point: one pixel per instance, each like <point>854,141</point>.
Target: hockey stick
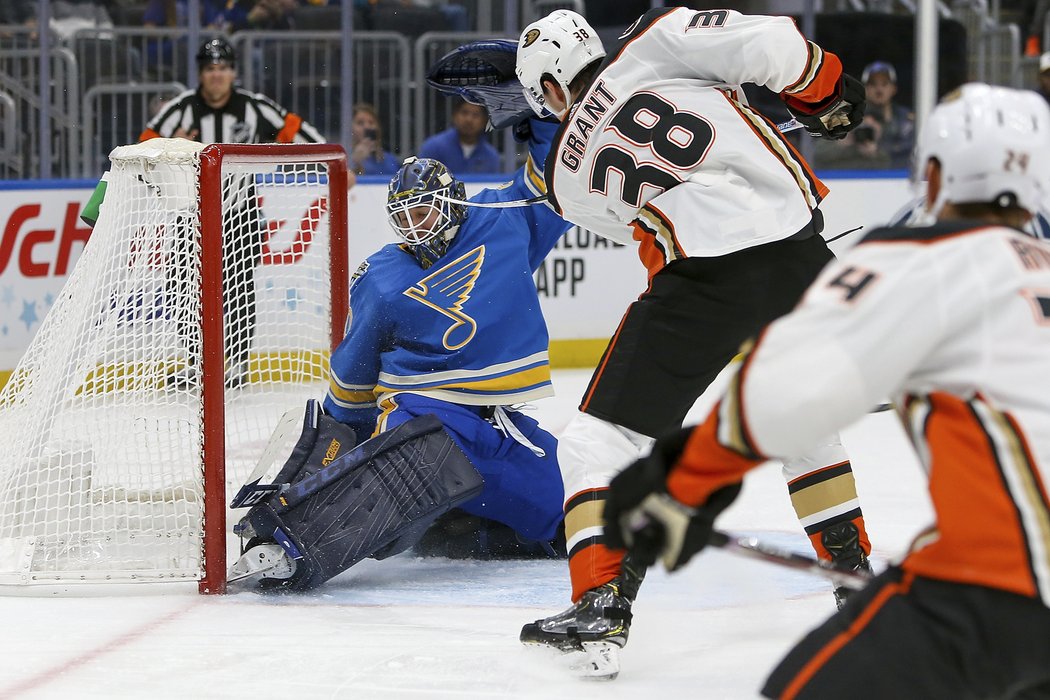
<point>751,547</point>
<point>251,492</point>
<point>844,233</point>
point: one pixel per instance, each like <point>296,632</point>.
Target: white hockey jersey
<point>953,321</point>
<point>662,146</point>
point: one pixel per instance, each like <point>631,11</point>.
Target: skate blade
<point>262,561</point>
<point>598,661</point>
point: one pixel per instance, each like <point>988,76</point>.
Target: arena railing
<point>9,158</point>
<point>114,115</point>
<point>20,80</point>
<point>302,71</point>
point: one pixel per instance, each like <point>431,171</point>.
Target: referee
<point>217,112</point>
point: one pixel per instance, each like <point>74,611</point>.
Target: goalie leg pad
<point>386,491</point>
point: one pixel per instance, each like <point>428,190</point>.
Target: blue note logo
<point>447,290</point>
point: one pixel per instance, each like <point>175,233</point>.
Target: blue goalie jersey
<point>467,330</point>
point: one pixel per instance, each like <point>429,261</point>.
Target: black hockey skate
<point>595,628</point>
<point>843,543</point>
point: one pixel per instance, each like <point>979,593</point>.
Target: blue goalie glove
<point>482,72</point>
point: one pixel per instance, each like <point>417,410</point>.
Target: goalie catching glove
<point>642,517</point>
<point>482,73</point>
<point>837,115</point>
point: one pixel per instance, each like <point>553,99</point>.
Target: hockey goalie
<point>445,329</point>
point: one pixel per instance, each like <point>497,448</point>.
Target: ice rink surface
<point>436,628</point>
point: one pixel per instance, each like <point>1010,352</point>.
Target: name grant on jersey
<point>1033,255</point>
<point>598,102</point>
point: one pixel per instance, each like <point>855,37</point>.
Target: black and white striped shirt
<point>247,117</point>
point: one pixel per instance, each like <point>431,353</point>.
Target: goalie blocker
<point>332,504</point>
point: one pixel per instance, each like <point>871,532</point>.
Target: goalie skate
<point>262,561</point>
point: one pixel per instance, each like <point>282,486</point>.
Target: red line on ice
<point>44,677</point>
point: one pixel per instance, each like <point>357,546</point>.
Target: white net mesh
<point>101,423</point>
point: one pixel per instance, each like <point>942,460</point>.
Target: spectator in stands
<point>886,136</point>
<point>1044,76</point>
<point>67,16</point>
<point>367,156</point>
<point>175,13</point>
<point>260,14</point>
<point>160,52</point>
<point>463,147</point>
<point>17,11</point>
<point>897,121</point>
<point>454,15</point>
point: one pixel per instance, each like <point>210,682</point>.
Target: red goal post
<point>213,158</point>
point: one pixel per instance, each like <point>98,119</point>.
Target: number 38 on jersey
<point>676,141</point>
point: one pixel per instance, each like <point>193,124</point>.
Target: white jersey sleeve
<point>728,48</point>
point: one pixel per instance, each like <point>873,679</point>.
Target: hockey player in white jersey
<point>658,147</point>
<point>953,321</point>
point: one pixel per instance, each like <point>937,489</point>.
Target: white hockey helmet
<point>561,44</point>
<point>992,144</point>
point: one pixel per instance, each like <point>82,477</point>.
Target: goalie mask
<point>560,45</point>
<point>991,143</point>
<point>419,210</point>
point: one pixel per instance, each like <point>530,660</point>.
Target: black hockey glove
<point>642,517</point>
<point>836,116</point>
<point>482,72</point>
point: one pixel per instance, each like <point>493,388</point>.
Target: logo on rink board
<point>561,276</point>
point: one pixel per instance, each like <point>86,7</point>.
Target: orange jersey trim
<point>791,160</point>
<point>649,253</point>
<point>824,84</point>
<point>705,465</point>
<point>993,516</point>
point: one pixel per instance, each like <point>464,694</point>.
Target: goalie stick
<point>284,434</point>
<point>783,127</point>
<point>751,547</point>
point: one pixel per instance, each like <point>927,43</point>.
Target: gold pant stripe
<point>825,495</point>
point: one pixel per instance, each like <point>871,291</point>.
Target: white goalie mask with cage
<point>421,207</point>
<point>992,145</point>
<point>560,45</point>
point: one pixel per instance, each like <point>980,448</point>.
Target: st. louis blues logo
<point>447,290</point>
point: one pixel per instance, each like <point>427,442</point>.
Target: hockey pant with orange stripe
<point>911,637</point>
<point>592,451</point>
<point>671,344</point>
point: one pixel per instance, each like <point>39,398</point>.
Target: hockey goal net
<point>203,308</point>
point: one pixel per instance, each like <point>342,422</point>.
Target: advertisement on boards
<point>584,285</point>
